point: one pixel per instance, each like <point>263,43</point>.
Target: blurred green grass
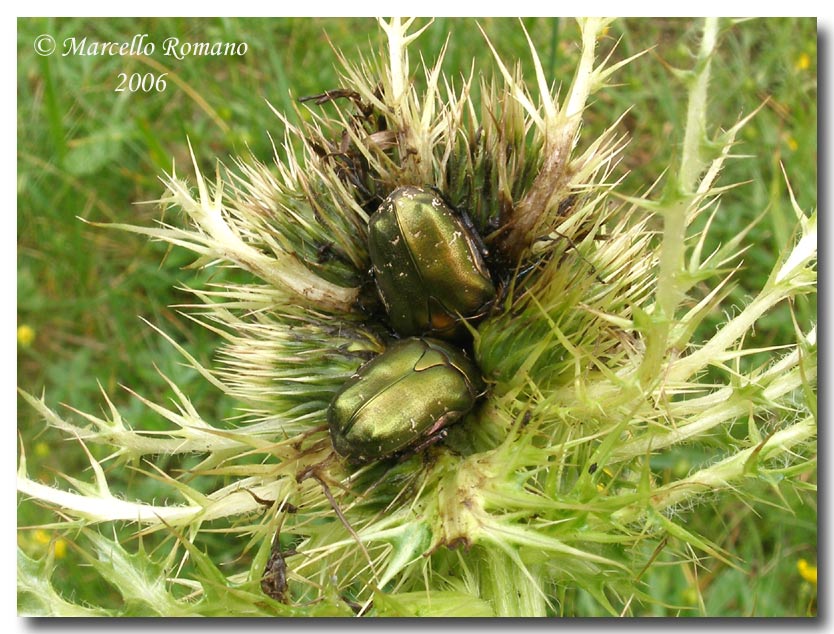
<point>87,152</point>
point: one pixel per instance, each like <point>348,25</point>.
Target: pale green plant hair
<point>594,359</point>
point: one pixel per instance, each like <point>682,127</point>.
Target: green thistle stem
<point>681,197</point>
<point>724,474</point>
<point>692,163</point>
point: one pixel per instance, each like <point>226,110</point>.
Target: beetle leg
<point>423,444</point>
<point>575,248</point>
<point>313,473</point>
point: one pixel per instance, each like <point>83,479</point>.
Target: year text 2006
<point>139,82</point>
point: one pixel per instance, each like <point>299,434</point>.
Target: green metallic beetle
<point>402,399</point>
<point>427,264</point>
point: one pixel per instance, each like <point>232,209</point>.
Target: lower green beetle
<point>428,264</point>
<point>403,397</point>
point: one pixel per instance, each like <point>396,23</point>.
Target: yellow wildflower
<point>803,62</point>
<point>792,144</point>
<point>41,536</point>
<point>25,335</point>
<point>60,546</point>
<point>690,596</point>
<point>807,571</point>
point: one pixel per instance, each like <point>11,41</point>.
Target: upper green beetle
<point>403,397</point>
<point>427,264</point>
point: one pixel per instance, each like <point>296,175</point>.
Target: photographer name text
<point>142,45</point>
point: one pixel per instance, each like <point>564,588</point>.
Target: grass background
<point>86,152</point>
